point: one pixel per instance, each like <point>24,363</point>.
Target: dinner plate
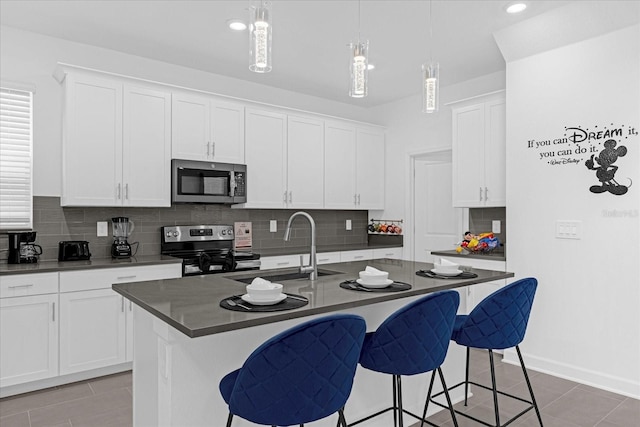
<point>446,273</point>
<point>250,300</point>
<point>374,285</point>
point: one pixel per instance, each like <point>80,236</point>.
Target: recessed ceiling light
<point>236,25</point>
<point>516,7</point>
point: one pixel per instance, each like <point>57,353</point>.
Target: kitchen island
<point>185,342</point>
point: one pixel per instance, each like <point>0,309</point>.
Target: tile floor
<point>106,402</point>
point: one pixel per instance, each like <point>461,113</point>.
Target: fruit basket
<point>481,243</point>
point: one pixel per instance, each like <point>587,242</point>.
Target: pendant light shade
<point>430,87</point>
<point>358,69</point>
<point>260,37</point>
<point>430,77</point>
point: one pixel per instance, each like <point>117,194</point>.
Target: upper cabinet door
<point>146,155</point>
<point>495,151</point>
<point>479,152</point>
<point>190,133</point>
<point>339,166</point>
<point>92,142</point>
<point>370,176</point>
<point>265,153</point>
<point>305,166</point>
<point>468,153</point>
<point>227,132</point>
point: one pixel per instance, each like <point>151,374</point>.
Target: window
<point>16,140</point>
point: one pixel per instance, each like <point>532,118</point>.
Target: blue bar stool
<point>412,340</point>
<point>300,375</point>
<point>498,322</point>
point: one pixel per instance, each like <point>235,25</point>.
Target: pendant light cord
<point>358,21</point>
<point>430,31</point>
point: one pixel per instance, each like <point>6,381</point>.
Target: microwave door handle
<point>232,183</point>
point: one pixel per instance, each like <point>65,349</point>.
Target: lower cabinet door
<point>92,330</point>
<point>28,339</point>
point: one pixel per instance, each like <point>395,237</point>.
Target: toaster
<point>73,250</point>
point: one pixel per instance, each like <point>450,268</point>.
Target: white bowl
<point>374,278</point>
<point>264,291</point>
<point>446,268</point>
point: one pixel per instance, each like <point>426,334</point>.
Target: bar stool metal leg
<point>494,389</point>
<point>526,377</point>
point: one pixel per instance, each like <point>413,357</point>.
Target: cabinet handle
<point>284,198</point>
<point>126,277</point>
<point>480,188</point>
<point>323,259</point>
<point>486,194</point>
<point>119,191</point>
<point>126,191</point>
<point>283,263</point>
<point>21,286</point>
<point>213,149</point>
<point>290,197</point>
<point>358,256</point>
<point>122,304</point>
<point>355,199</point>
<point>208,151</point>
<point>358,199</point>
<point>130,306</point>
<point>53,311</point>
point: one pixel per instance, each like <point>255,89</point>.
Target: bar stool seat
<point>300,375</point>
<point>412,340</point>
<point>498,322</point>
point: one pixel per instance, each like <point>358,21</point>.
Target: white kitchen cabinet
<point>28,328</point>
<point>358,255</point>
<point>281,261</point>
<point>392,253</point>
<point>479,145</point>
<point>354,167</point>
<point>116,143</point>
<point>265,154</point>
<point>95,321</point>
<point>92,330</point>
<point>207,129</point>
<point>305,164</point>
<point>325,258</point>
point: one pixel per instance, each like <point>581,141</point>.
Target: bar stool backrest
<point>302,374</point>
<point>500,320</point>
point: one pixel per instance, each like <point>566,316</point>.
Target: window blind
<point>16,137</point>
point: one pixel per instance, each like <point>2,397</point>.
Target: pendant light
<point>358,65</point>
<point>260,36</point>
<point>430,77</point>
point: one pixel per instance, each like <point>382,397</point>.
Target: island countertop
<point>192,304</point>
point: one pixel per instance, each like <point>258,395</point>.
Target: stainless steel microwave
<point>208,182</point>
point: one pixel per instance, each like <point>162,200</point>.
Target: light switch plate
<point>568,229</point>
<point>273,226</point>
<point>348,224</point>
<point>102,229</point>
<point>495,226</point>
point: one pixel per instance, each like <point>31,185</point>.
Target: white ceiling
<point>309,38</point>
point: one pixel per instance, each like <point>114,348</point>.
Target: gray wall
<point>53,224</point>
<point>480,221</point>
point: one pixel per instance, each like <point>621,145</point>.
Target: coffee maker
<point>22,250</point>
<point>122,229</point>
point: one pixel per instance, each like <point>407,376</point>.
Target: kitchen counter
<point>54,266</point>
<point>191,304</point>
<point>497,255</point>
<point>185,343</point>
<point>285,250</point>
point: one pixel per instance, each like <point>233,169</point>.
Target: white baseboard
<point>624,386</point>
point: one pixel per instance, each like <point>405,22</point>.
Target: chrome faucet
<point>312,268</point>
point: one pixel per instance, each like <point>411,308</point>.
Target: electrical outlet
<point>495,226</point>
<point>273,226</point>
<point>348,224</point>
<point>102,229</point>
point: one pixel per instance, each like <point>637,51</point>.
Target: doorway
<point>437,225</point>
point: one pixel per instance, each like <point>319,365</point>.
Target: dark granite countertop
<point>497,255</point>
<point>191,304</point>
<point>55,266</point>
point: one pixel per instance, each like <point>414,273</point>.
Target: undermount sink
<point>282,276</point>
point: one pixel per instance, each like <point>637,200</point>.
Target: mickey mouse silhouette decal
<point>606,171</point>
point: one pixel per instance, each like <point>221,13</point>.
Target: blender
<point>122,229</point>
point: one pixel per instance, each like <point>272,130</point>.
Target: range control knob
<point>175,234</point>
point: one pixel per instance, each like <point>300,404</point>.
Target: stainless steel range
<point>206,249</point>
